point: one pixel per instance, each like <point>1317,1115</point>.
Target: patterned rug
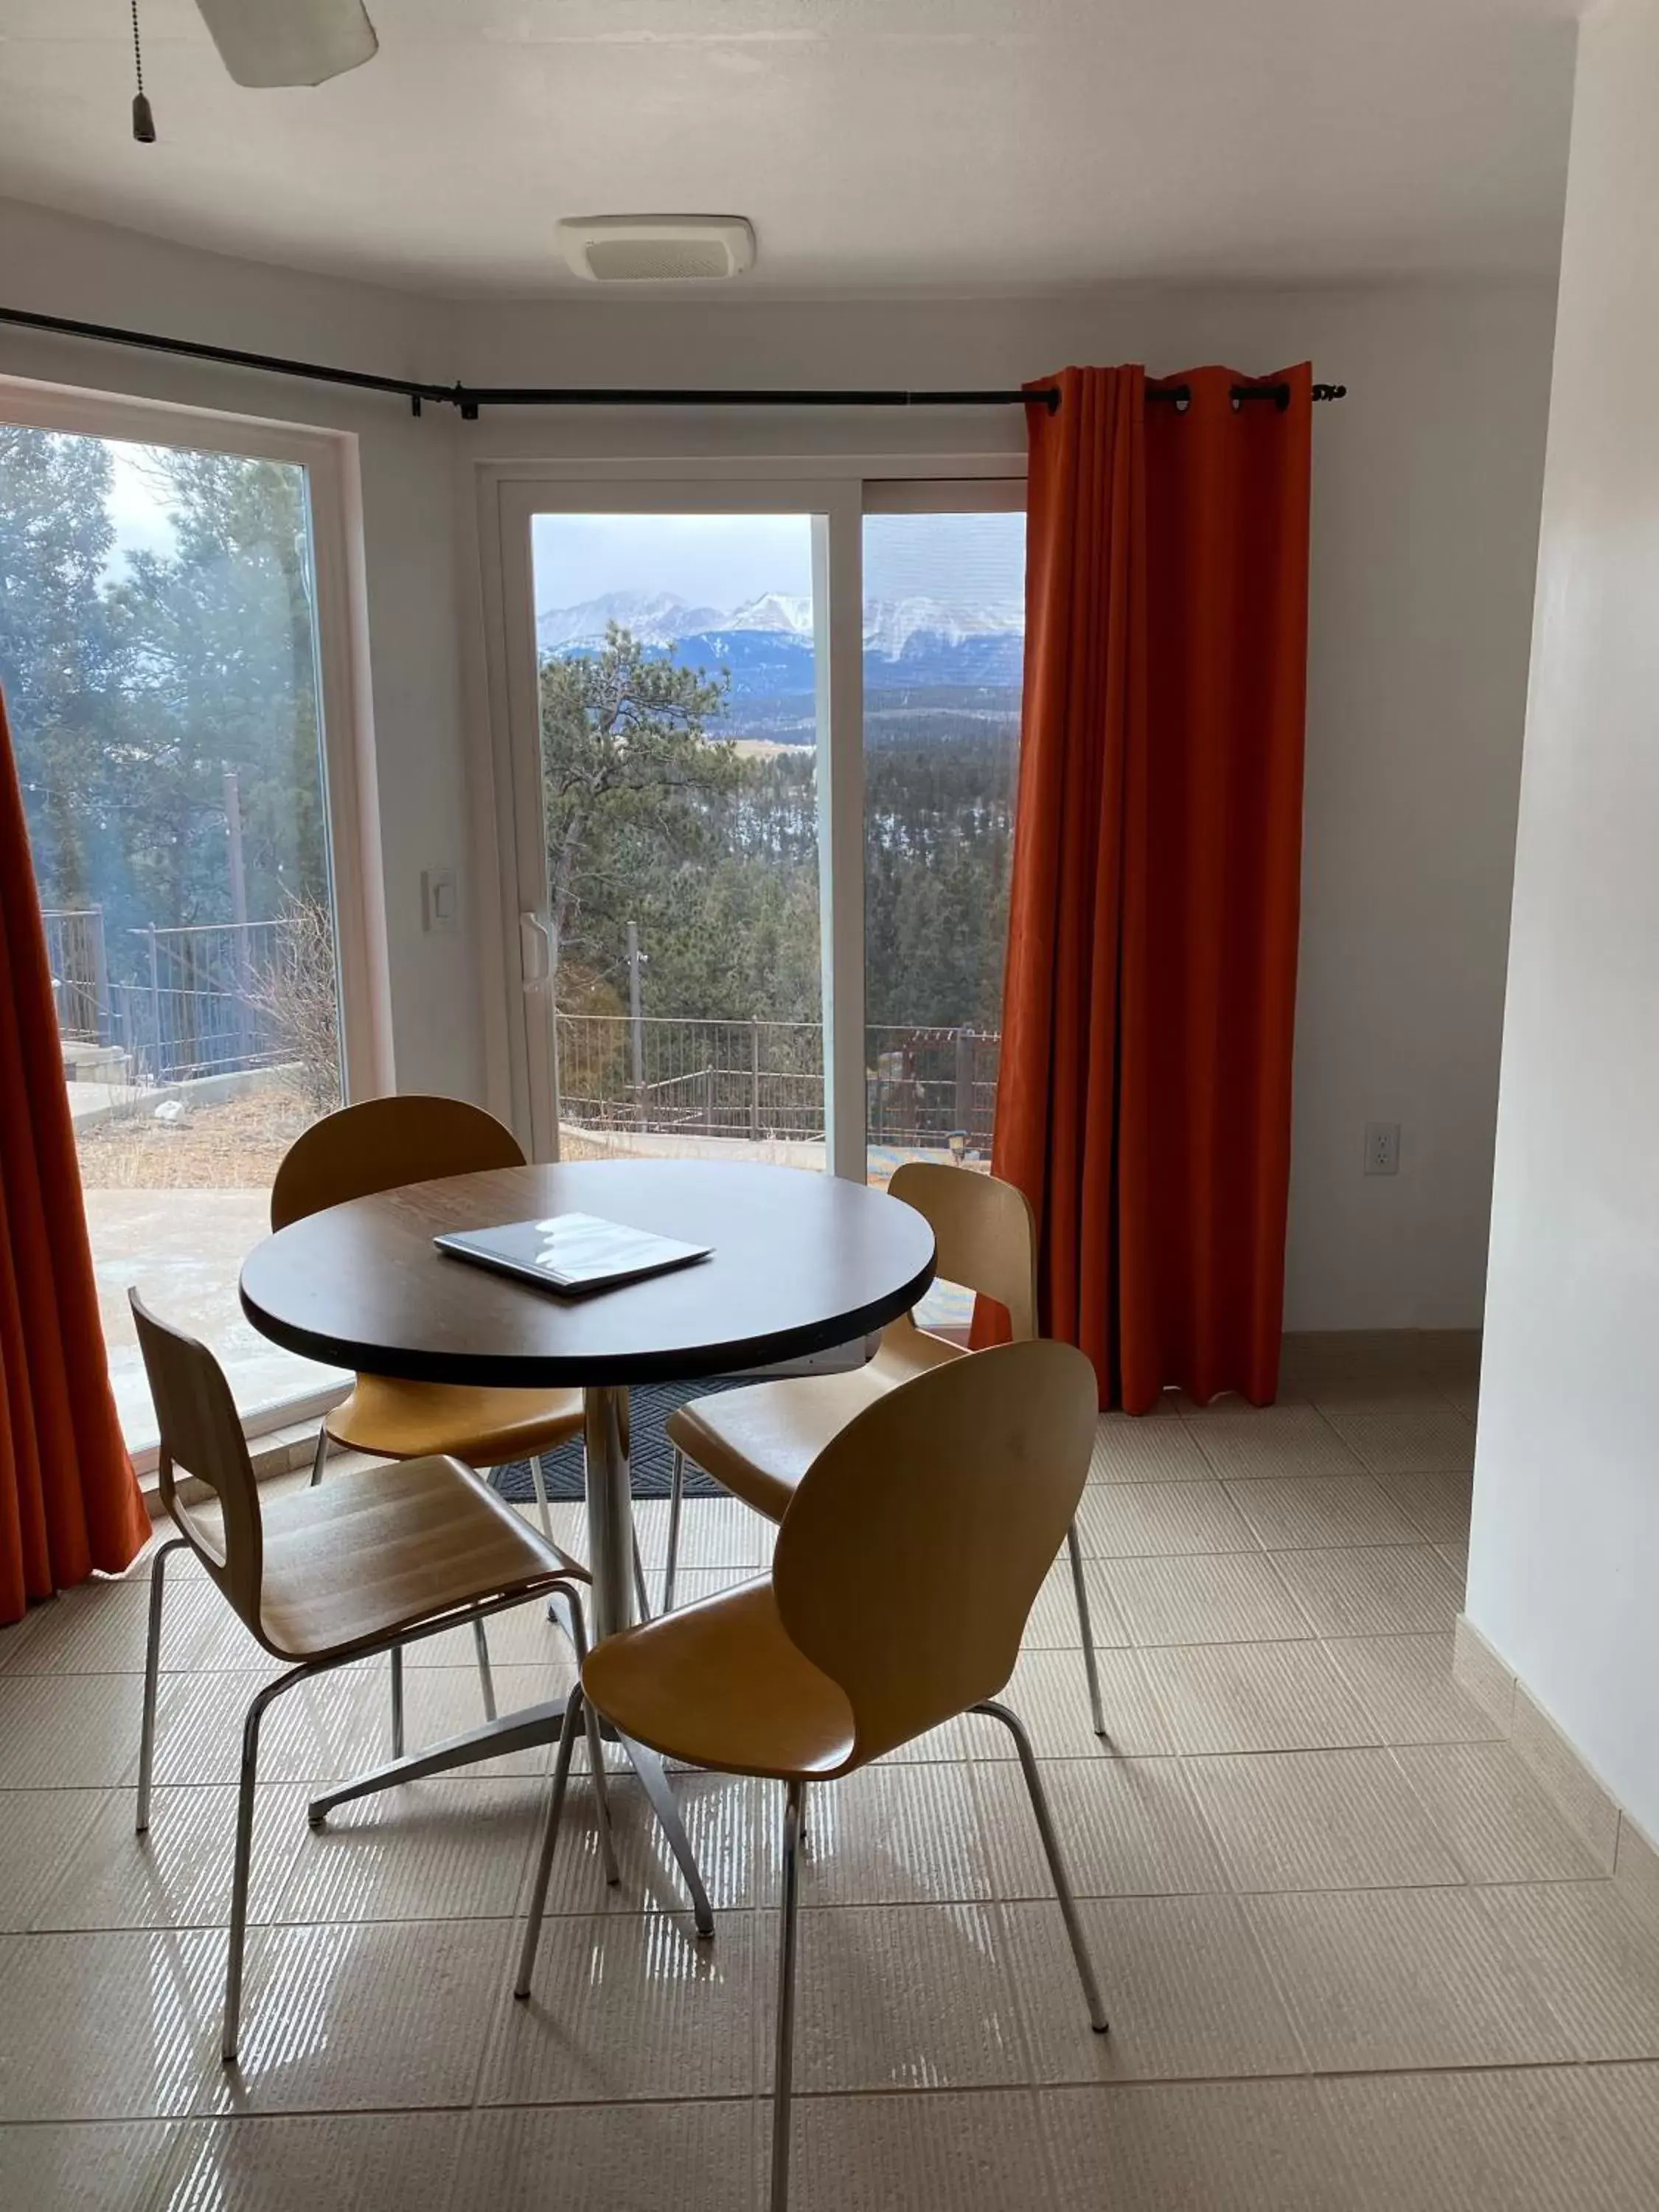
<point>651,1462</point>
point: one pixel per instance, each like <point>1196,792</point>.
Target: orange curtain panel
<point>1085,714</point>
<point>1145,1098</point>
<point>69,1501</point>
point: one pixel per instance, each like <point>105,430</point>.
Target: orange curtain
<point>69,1501</point>
<point>1144,1098</point>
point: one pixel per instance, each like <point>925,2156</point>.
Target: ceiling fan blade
<point>271,42</point>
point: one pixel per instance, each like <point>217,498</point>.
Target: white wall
<point>1564,1569</point>
<point>1425,489</point>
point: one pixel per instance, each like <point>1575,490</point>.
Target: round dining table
<point>798,1263</point>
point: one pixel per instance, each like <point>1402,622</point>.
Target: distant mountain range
<point>767,644</point>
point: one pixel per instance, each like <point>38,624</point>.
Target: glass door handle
<point>535,950</point>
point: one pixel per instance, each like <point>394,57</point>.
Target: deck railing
<point>80,985</point>
<point>200,1003</point>
<point>190,1001</point>
<point>928,1088</point>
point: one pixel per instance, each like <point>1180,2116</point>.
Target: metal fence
<point>74,954</point>
<point>933,1088</point>
<point>763,1080</point>
<point>203,1000</point>
<point>754,1079</point>
<point>199,1000</point>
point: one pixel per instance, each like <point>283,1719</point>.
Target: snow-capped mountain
<point>890,624</point>
<point>657,618</point>
<point>765,644</point>
<point>784,610</point>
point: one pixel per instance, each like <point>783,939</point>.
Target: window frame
<point>346,762</point>
<point>839,490</point>
<point>1004,494</point>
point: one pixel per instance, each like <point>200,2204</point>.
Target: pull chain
<point>143,122</point>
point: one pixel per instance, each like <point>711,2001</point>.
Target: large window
<point>944,638</point>
<point>756,786</point>
<point>158,653</point>
<point>677,680</point>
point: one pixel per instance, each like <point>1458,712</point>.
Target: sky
<point>722,560</point>
<point>135,507</point>
<point>710,560</point>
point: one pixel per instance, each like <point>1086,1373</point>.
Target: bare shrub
<point>298,996</point>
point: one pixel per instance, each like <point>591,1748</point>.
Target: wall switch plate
<point>1382,1148</point>
<point>439,903</point>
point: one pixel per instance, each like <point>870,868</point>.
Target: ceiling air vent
<point>659,249</point>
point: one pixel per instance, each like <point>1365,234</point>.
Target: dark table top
<point>801,1262</point>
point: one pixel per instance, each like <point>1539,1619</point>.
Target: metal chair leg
<point>1090,1663</point>
<point>577,1629</point>
<point>244,1802</point>
<point>397,1701</point>
<point>245,1808</point>
<point>320,1459</point>
<point>539,1478</point>
<point>486,1679</point>
<point>152,1679</point>
<point>533,1926</point>
<point>1068,1910</point>
<point>676,1498</point>
<point>784,2057</point>
<point>640,1599</point>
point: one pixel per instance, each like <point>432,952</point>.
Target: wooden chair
<point>758,1442</point>
<point>381,1145</point>
<point>908,1561</point>
<point>398,1553</point>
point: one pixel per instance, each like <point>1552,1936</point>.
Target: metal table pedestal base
<point>611,1533</point>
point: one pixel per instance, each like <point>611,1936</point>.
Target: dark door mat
<point>651,1459</point>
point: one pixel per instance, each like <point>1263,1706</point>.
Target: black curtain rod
<point>469,398</point>
<point>1181,395</point>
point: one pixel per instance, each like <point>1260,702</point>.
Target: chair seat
<point>486,1428</point>
<point>721,1685</point>
<point>759,1442</point>
<point>351,1561</point>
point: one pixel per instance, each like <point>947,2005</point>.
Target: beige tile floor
<point>1353,1956</point>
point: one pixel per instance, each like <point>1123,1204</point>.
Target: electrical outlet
<point>1382,1148</point>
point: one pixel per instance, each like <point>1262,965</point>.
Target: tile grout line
<point>896,2091</point>
<point>1465,1885</point>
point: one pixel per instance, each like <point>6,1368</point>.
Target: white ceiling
<point>953,145</point>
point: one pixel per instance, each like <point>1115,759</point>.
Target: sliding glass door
<point>762,756</point>
<point>679,792</point>
<point>671,779</point>
<point>159,651</point>
<point>943,639</point>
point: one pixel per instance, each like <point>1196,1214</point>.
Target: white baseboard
<point>1561,1770</point>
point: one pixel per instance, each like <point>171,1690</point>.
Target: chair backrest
<point>384,1143</point>
<point>202,1436</point>
<point>984,1234</point>
<point>913,1550</point>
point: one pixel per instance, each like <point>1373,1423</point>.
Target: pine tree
<point>61,659</point>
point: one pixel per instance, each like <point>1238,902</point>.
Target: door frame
<point>345,702</point>
<point>350,791</point>
<point>837,491</point>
